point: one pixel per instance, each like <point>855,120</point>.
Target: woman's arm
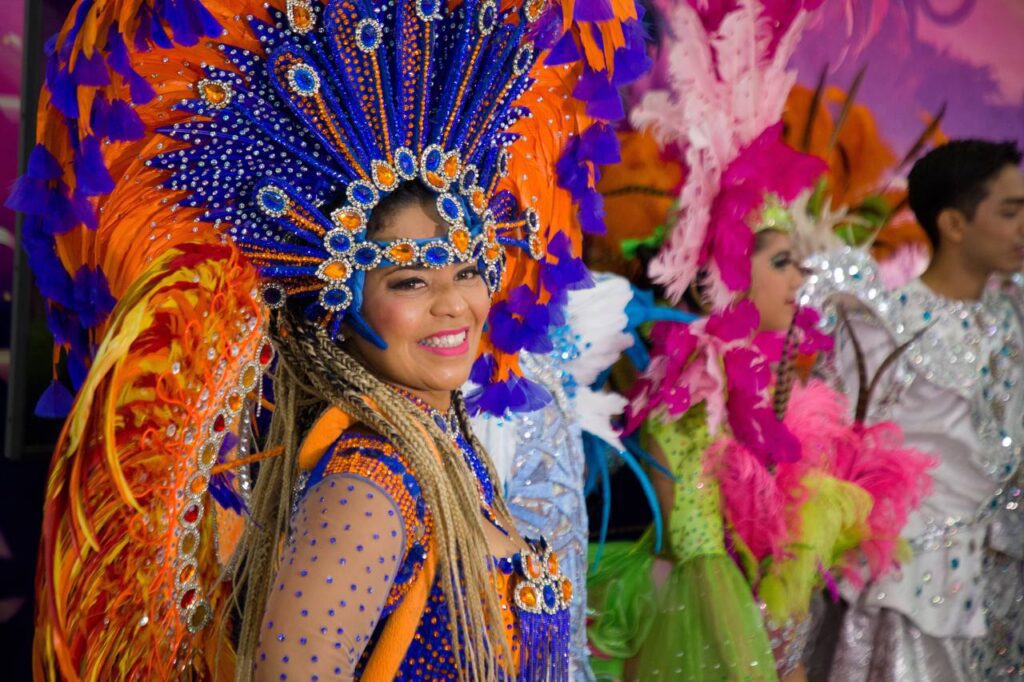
<point>333,583</point>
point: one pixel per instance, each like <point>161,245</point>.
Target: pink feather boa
<point>763,508</point>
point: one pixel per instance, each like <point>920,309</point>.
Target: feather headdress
<point>727,86</point>
<point>184,169</point>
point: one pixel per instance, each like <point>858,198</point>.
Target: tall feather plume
<point>726,87</point>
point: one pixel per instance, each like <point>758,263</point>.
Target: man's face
<point>994,238</point>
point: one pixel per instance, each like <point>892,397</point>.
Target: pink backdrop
<point>921,53</point>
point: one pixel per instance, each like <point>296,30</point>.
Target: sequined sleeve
<point>351,554</point>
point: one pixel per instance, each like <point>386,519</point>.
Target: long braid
<point>334,377</point>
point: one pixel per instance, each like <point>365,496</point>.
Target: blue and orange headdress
<point>202,161</point>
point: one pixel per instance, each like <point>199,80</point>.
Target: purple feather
<point>123,124</point>
<point>55,402</point>
<point>78,368</point>
<point>157,33</point>
<point>183,22</point>
<point>42,165</point>
<point>141,91</point>
<point>90,171</point>
<point>92,298</point>
<point>51,278</point>
<point>564,52</point>
<point>593,10</point>
<point>58,212</point>
<point>91,71</point>
<point>224,493</point>
<point>600,145</point>
<point>591,212</point>
<point>85,212</point>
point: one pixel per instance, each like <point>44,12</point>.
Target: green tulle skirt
<point>701,624</point>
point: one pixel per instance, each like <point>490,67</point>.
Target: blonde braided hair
<point>313,372</point>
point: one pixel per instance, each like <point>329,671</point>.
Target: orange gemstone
<point>491,233</point>
<point>532,567</point>
<point>302,18</point>
<point>460,238</point>
<point>349,219</point>
<point>478,200</point>
<point>207,455</point>
<point>336,270</point>
<point>566,590</point>
<point>186,574</point>
<point>552,563</point>
<point>401,253</point>
<point>384,176</point>
<point>493,252</point>
<point>214,92</point>
<point>451,167</point>
<point>435,180</point>
<point>249,376</point>
<point>528,596</point>
<point>198,485</point>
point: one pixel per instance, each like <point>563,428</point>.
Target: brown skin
<point>971,250</point>
<point>775,278</point>
<point>405,306</point>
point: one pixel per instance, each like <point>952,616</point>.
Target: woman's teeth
<point>446,341</point>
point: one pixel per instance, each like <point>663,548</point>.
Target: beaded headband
<point>294,149</point>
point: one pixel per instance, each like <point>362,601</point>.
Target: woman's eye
<point>782,262</point>
<point>408,284</point>
<point>468,273</point>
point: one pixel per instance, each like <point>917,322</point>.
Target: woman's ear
<point>952,224</point>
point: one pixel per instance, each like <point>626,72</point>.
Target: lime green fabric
<point>701,622</point>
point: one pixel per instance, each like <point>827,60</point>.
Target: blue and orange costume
<point>201,163</point>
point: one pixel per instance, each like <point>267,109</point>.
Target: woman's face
<point>775,278</point>
<point>431,320</point>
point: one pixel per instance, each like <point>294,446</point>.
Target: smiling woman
<point>430,319</point>
<point>342,185</point>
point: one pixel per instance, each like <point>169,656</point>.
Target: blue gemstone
<point>436,255</point>
<point>428,7</point>
<point>305,80</point>
<point>493,278</point>
<point>489,15</point>
<point>369,36</point>
<point>273,201</point>
<point>549,596</point>
<point>524,58</point>
<point>469,178</point>
<point>433,160</point>
<point>362,194</point>
<point>955,563</point>
<point>340,242</point>
<point>406,163</point>
<point>336,297</point>
<point>450,208</point>
<point>366,255</point>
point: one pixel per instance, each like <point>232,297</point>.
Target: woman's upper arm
<point>333,583</point>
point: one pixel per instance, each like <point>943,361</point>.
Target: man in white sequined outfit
<point>943,357</point>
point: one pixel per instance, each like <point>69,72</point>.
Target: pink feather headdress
<point>727,85</point>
